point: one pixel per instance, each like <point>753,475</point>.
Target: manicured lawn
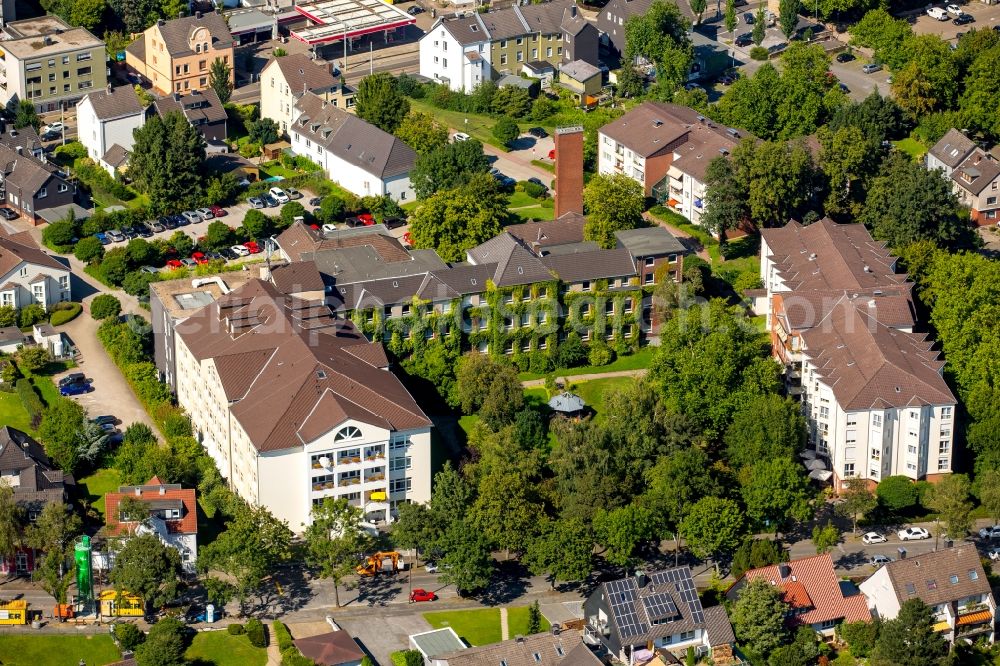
<point>98,484</point>
<point>478,126</point>
<point>221,649</point>
<point>593,391</point>
<point>277,169</point>
<point>521,199</point>
<point>468,423</point>
<point>535,213</point>
<point>12,412</point>
<point>548,166</point>
<point>640,359</point>
<point>61,650</point>
<point>517,621</point>
<point>475,627</point>
<point>911,147</point>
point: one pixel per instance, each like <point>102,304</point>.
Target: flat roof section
<point>355,17</point>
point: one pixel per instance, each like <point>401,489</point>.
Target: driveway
<point>517,163</point>
<point>380,637</point>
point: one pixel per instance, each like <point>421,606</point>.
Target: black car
<point>144,230</point>
<point>964,19</point>
<point>269,201</point>
<point>51,135</point>
<point>353,222</point>
<point>538,181</point>
<point>748,17</point>
<point>72,378</point>
<point>315,201</point>
<point>746,39</point>
<point>106,419</point>
<point>538,132</point>
<point>214,256</point>
<point>181,221</point>
<point>845,57</point>
<point>7,213</point>
<point>168,222</point>
<point>729,78</point>
<point>394,222</point>
<point>228,254</point>
<point>414,10</point>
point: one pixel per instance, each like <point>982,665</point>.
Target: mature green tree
<point>621,531</point>
<point>713,526</point>
<point>219,235</point>
<point>53,533</point>
<point>806,93</point>
<point>259,225</point>
<point>613,203</point>
<point>146,567</point>
<point>492,389</point>
<point>165,645</point>
<point>631,83</point>
<point>676,482</point>
<point>858,499</point>
<point>220,79</point>
<point>506,131</point>
<point>861,636</point>
<point>660,35</point>
<point>136,15</point>
<point>846,158</point>
<point>584,467</point>
<point>467,561</point>
<point>888,36</point>
<point>879,118</point>
<point>105,306</point>
<point>511,101</point>
<point>334,539</point>
<point>447,167</point>
<point>910,638</point>
<point>752,102</point>
<point>481,97</point>
<point>731,20</point>
<point>803,650</point>
<point>758,617</point>
<point>950,498</point>
<point>988,492</point>
<point>754,554</point>
<point>60,233</point>
<point>980,90</point>
<point>60,432</point>
<point>421,132</point>
<point>776,490</point>
<point>87,13</point>
<point>725,197</point>
<point>416,528</point>
<point>166,162</point>
<point>11,522</point>
<point>263,131</point>
<point>930,80</point>
<point>698,7</point>
<point>140,252</point>
<point>88,249</point>
<point>788,17</point>
<point>26,115</point>
<point>379,102</point>
<point>825,537</point>
<point>779,178</point>
<point>759,30</point>
<point>563,551</point>
<point>506,510</point>
<point>33,359</point>
<point>907,203</point>
<point>897,493</point>
<point>769,426</point>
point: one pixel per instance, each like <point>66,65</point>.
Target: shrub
<point>59,234</point>
<point>505,130</point>
<point>129,636</point>
<point>290,655</point>
<point>63,315</point>
<point>897,493</point>
<point>571,352</point>
<point>105,306</point>
<point>30,401</point>
<point>31,315</point>
<point>256,633</point>
<point>758,53</point>
<point>100,182</point>
<point>74,150</point>
<point>236,629</point>
<point>600,354</point>
<point>533,190</point>
<point>88,249</point>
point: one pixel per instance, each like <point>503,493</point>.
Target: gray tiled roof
<point>117,103</point>
<point>467,30</point>
<point>921,571</point>
<point>579,70</point>
<point>25,171</point>
<point>592,265</point>
<point>25,138</point>
<point>198,106</point>
<point>116,156</point>
<point>952,148</point>
<point>39,481</point>
<point>545,18</point>
<point>515,264</point>
<point>352,139</point>
<point>649,241</point>
<point>302,73</point>
<point>504,23</point>
<point>976,171</point>
<point>545,649</point>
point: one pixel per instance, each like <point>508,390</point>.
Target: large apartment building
<point>666,148</point>
<point>176,56</point>
<point>465,49</point>
<point>50,63</point>
<point>974,175</point>
<point>295,406</point>
<point>841,322</point>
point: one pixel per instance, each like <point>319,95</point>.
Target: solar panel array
<point>659,606</point>
<point>621,596</point>
<point>683,583</point>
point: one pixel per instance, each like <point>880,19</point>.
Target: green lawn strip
<point>467,423</point>
<point>640,359</point>
<point>221,649</point>
<point>534,213</point>
<point>521,199</point>
<point>98,484</point>
<point>475,627</point>
<point>277,169</point>
<point>593,391</point>
<point>478,126</point>
<point>517,621</point>
<point>911,147</point>
<point>12,413</point>
<point>542,164</point>
<point>60,650</point>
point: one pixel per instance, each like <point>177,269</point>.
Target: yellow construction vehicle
<point>381,562</point>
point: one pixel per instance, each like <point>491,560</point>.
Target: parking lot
<point>986,16</point>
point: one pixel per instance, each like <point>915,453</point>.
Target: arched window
<point>348,432</point>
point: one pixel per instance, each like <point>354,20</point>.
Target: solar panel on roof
<point>681,577</point>
<point>659,607</point>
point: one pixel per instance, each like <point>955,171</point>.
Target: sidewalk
<point>534,383</point>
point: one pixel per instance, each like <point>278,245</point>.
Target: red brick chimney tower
<point>569,170</point>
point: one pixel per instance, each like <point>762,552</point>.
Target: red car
<point>367,219</point>
<point>420,594</point>
<point>174,263</point>
<point>253,247</point>
<point>218,211</point>
<point>406,238</point>
<point>199,257</point>
<point>552,154</point>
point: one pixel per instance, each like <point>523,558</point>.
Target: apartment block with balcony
<point>50,63</point>
<point>176,56</point>
<point>666,148</point>
<point>295,406</point>
<point>951,581</point>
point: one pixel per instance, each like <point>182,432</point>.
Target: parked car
<point>748,17</point>
<point>256,202</point>
<point>460,136</point>
<point>240,250</point>
<point>740,3</point>
<point>199,257</point>
<point>102,237</point>
<point>873,537</point>
<point>538,132</point>
<point>72,378</point>
<point>353,222</point>
<point>218,211</point>
<point>746,39</point>
<point>991,532</point>
<point>54,127</point>
<point>174,263</point>
<point>880,560</point>
<point>7,213</point>
<point>421,594</point>
<point>994,553</point>
<point>729,78</point>
<point>316,201</point>
<point>394,222</point>
<point>937,13</point>
<point>843,88</point>
<point>206,213</point>
<point>191,216</point>
<point>913,534</point>
<point>954,10</point>
<point>215,256</point>
<point>538,181</point>
<point>293,193</point>
<point>228,254</point>
<point>252,247</point>
<point>279,195</point>
<point>144,230</point>
<point>152,270</point>
<point>115,235</point>
<point>168,222</point>
<point>156,226</point>
<point>188,262</point>
<point>270,201</point>
<point>431,567</point>
<point>845,57</point>
<point>107,418</point>
<point>328,228</point>
<point>414,10</point>
<point>78,388</point>
<point>871,68</point>
<point>964,19</point>
<point>552,154</point>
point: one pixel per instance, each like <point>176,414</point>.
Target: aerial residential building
<point>552,648</point>
<point>176,56</point>
<point>51,63</point>
<point>295,406</point>
<point>25,138</point>
<point>612,17</point>
<point>973,172</point>
<point>30,185</point>
<point>813,591</point>
<point>841,322</point>
<point>362,158</point>
<point>29,275</point>
<point>666,148</point>
<point>171,514</point>
<point>465,50</point>
<point>202,109</point>
<point>637,617</point>
<point>107,118</point>
<point>285,79</point>
<point>951,581</point>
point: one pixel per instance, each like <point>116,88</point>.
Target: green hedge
<point>236,629</point>
<point>256,633</point>
<point>64,314</point>
<point>100,182</point>
<point>290,655</point>
<point>29,398</point>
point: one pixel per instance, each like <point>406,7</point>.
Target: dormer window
<point>346,433</point>
<point>197,48</point>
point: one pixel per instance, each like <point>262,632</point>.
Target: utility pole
<point>371,56</point>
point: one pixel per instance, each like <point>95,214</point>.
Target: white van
<point>937,13</point>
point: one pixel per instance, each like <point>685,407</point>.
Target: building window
<point>548,52</point>
<point>876,420</point>
<point>346,433</point>
<point>945,413</point>
<point>43,192</point>
<point>824,412</point>
<point>911,449</point>
<point>585,285</point>
<point>503,43</point>
<point>876,454</point>
<point>944,446</point>
<point>400,485</point>
<point>503,58</point>
<point>80,57</point>
<point>848,469</point>
<point>399,464</point>
<point>520,56</point>
<point>942,464</point>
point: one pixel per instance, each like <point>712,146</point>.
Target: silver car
<point>191,216</point>
<point>256,202</point>
<point>206,213</point>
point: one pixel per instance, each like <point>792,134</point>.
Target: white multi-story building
<point>841,320</point>
<point>362,158</point>
<point>456,51</point>
<point>296,406</point>
<point>284,80</point>
<point>107,118</point>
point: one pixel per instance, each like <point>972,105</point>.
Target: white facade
<point>29,283</point>
<point>355,460</point>
<point>99,135</point>
<point>277,99</point>
<point>444,58</point>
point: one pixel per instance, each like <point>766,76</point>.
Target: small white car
<point>994,553</point>
<point>873,537</point>
<point>279,195</point>
<point>937,13</point>
<point>879,560</point>
<point>990,532</point>
<point>53,127</point>
<point>431,567</point>
<point>913,534</point>
<point>241,250</point>
<point>327,228</point>
<point>206,213</point>
<point>460,136</point>
<point>954,10</point>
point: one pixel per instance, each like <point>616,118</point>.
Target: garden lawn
<point>98,484</point>
<point>12,413</point>
<point>517,621</point>
<point>911,147</point>
<point>478,126</point>
<point>593,391</point>
<point>221,649</point>
<point>475,627</point>
<point>531,213</point>
<point>640,359</point>
<point>60,650</point>
<point>277,169</point>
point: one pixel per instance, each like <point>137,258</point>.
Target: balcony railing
<point>353,481</point>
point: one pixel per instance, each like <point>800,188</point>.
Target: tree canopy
<point>612,203</point>
<point>379,102</point>
<point>453,221</point>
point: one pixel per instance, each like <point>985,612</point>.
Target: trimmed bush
<point>236,629</point>
<point>63,315</point>
<point>100,182</point>
<point>129,636</point>
<point>256,633</point>
<point>30,400</point>
<point>105,306</point>
<point>31,315</point>
<point>533,190</point>
<point>758,53</point>
<point>290,655</point>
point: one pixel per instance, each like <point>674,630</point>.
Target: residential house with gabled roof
<point>171,514</point>
<point>974,174</point>
<point>360,157</point>
<point>36,482</point>
<point>951,581</point>
<point>295,405</point>
<point>176,56</point>
<point>108,118</point>
<point>26,138</point>
<point>552,648</point>
<point>29,275</point>
<point>636,618</point>
<point>201,108</point>
<point>815,595</point>
<point>29,184</point>
<point>285,79</point>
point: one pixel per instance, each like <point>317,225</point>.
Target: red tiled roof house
<point>173,516</point>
